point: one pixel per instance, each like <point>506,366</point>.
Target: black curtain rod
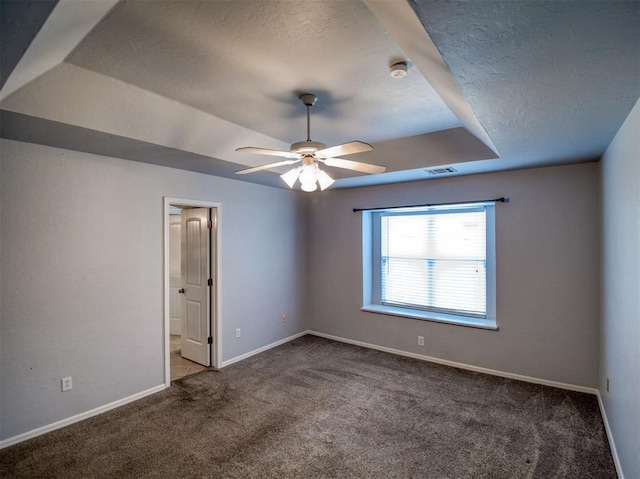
<point>494,200</point>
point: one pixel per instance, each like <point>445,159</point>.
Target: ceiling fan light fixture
<point>291,176</point>
<point>324,179</point>
<point>308,178</point>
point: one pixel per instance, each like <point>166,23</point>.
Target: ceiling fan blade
<point>267,151</point>
<point>266,167</point>
<point>354,165</point>
<point>345,149</point>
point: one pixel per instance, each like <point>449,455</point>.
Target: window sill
<point>431,316</point>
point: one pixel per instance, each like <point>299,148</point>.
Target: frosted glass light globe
<point>308,178</point>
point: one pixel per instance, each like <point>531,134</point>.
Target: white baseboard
<point>493,372</point>
<point>612,444</point>
<point>107,407</point>
<point>121,402</point>
<point>77,418</point>
<point>262,349</point>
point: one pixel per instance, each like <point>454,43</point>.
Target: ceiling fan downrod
<point>309,99</point>
<point>308,147</point>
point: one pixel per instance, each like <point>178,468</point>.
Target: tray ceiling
<point>491,85</point>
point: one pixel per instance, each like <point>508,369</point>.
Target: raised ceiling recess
<point>482,86</point>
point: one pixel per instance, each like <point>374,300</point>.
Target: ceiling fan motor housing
<point>308,99</point>
<point>307,147</point>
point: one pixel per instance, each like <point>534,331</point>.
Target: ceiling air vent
<point>441,171</point>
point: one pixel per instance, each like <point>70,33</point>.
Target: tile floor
<point>181,367</point>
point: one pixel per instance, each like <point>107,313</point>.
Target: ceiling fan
<point>310,153</point>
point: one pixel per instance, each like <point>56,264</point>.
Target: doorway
<point>191,289</point>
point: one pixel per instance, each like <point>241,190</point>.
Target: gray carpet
<point>314,408</point>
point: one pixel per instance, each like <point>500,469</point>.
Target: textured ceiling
<point>493,85</point>
<point>245,61</point>
<point>548,80</point>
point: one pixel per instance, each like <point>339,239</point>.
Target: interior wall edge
<point>610,438</point>
<point>619,357</point>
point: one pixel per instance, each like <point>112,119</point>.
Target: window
<point>435,263</point>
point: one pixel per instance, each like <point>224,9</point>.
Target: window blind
<point>435,260</point>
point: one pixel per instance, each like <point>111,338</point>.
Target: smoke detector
<point>398,70</point>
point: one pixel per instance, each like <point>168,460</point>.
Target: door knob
<point>181,291</point>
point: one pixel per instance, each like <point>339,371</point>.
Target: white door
<point>196,273</point>
<point>175,275</point>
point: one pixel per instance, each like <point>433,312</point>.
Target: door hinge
<point>210,224</point>
<point>210,282</point>
<point>210,340</point>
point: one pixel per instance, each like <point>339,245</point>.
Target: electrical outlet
<point>607,384</point>
<point>238,333</point>
<point>420,340</point>
<point>283,318</point>
<point>66,384</point>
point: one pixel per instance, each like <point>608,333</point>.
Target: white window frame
<point>371,264</point>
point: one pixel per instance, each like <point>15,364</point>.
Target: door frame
<point>215,307</point>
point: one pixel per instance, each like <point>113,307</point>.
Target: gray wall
<point>620,337</point>
<point>82,276</point>
<point>547,273</point>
